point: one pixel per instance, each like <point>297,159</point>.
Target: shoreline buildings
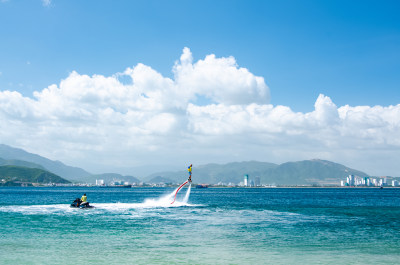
<point>246,180</point>
<point>356,181</point>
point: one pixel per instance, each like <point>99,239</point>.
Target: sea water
<point>204,226</point>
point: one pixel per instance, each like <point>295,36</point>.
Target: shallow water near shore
<point>211,226</point>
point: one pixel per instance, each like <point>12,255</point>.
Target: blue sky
<point>348,50</point>
<point>117,85</point>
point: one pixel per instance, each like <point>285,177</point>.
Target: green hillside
<point>15,175</point>
<point>214,173</point>
<point>159,179</point>
<point>109,177</point>
<point>20,163</point>
<point>68,172</point>
<point>306,172</point>
<point>309,172</point>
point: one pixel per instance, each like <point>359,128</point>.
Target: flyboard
<point>183,184</point>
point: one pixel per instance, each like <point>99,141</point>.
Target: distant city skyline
<point>110,86</point>
<point>357,181</point>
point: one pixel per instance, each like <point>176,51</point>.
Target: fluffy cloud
<point>327,125</point>
<point>219,79</point>
<point>97,122</point>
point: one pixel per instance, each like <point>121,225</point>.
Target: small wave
<point>162,202</point>
<point>37,209</point>
<point>112,207</point>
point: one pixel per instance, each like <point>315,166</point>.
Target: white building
<point>374,182</point>
<point>351,180</point>
<point>384,181</point>
<point>99,182</point>
<point>381,182</point>
<point>368,182</point>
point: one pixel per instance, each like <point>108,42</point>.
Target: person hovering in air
<point>190,173</point>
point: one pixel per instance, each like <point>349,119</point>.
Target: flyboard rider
<point>189,180</point>
<point>190,173</point>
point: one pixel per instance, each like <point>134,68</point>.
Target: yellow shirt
<point>84,198</point>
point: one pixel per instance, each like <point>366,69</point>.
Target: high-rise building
<point>246,180</point>
<point>384,182</point>
<point>99,182</point>
<point>373,181</point>
<point>252,183</point>
<point>367,182</point>
<point>257,181</point>
<point>351,180</point>
<point>381,182</point>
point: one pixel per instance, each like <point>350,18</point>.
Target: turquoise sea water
<point>212,226</point>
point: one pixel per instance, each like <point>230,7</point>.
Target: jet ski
<point>79,204</point>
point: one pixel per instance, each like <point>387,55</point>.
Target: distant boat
<point>202,186</point>
<point>117,186</point>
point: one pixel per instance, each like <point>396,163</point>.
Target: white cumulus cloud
<point>219,79</point>
<point>98,122</point>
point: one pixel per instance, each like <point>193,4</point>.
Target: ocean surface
<point>203,226</point>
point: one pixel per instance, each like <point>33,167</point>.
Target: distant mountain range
<point>18,157</point>
<point>71,173</point>
<point>21,163</point>
<point>306,172</point>
<point>109,177</point>
<point>16,175</point>
<point>159,179</point>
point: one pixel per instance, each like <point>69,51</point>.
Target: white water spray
<point>163,201</point>
<point>185,200</point>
